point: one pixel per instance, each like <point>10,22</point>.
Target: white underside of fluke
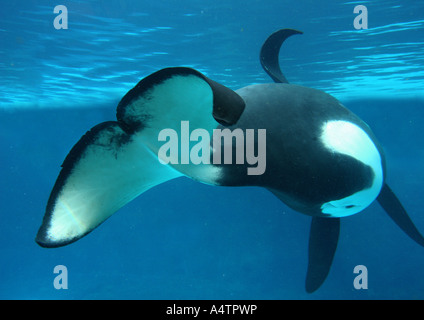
<point>101,183</point>
<point>115,166</point>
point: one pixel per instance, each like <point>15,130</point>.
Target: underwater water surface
<point>183,239</point>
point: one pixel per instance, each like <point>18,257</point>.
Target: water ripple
<point>108,49</point>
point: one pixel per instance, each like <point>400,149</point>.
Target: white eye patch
<point>347,138</point>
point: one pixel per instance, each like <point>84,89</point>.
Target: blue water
<point>182,239</point>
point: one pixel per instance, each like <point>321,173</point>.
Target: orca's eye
<point>350,206</point>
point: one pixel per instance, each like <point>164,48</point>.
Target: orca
<point>321,159</point>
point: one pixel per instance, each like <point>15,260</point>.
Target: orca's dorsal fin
<point>397,212</point>
<point>270,51</point>
<point>323,239</point>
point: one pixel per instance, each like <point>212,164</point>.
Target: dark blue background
<point>184,239</point>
